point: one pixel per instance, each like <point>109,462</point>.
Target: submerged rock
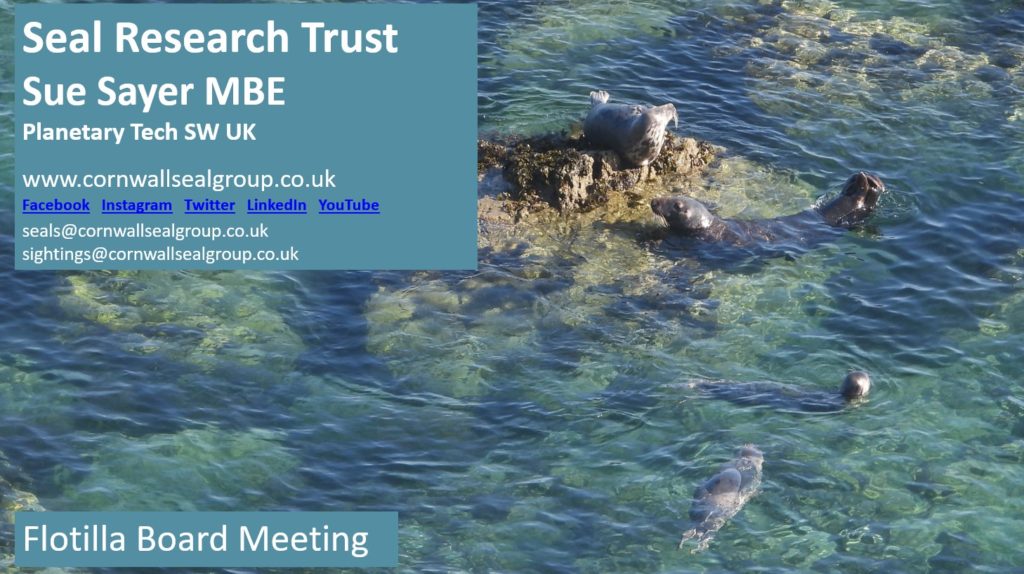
<point>11,500</point>
<point>196,469</point>
<point>220,320</point>
<point>564,172</point>
<point>32,397</point>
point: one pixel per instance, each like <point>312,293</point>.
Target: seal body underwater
<point>636,133</point>
<point>686,216</point>
<point>723,495</point>
<point>854,387</point>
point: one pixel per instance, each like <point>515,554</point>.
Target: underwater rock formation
<point>195,469</point>
<point>11,500</point>
<point>217,321</point>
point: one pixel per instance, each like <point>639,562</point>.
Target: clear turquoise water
<point>531,416</point>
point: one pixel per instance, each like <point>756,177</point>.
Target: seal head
<point>683,214</point>
<point>857,201</point>
<point>857,384</point>
<point>751,453</point>
<point>749,460</point>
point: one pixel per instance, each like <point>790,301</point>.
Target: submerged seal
<point>854,387</point>
<point>686,216</point>
<point>636,133</point>
<point>723,495</point>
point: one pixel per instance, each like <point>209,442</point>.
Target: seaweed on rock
<point>565,172</point>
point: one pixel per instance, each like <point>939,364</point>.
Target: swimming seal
<point>854,387</point>
<point>636,133</point>
<point>686,216</point>
<point>723,495</point>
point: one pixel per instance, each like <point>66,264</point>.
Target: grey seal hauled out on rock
<point>686,216</point>
<point>636,133</point>
<point>854,387</point>
<point>723,495</point>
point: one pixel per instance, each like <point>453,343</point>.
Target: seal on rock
<point>686,216</point>
<point>723,495</point>
<point>854,387</point>
<point>636,133</point>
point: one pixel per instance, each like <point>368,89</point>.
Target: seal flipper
<point>686,536</point>
<point>703,538</point>
<point>598,97</point>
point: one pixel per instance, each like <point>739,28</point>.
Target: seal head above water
<point>857,384</point>
<point>857,201</point>
<point>720,497</point>
<point>636,133</point>
<point>686,216</point>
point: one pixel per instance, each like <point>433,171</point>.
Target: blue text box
<point>206,539</point>
<point>383,144</point>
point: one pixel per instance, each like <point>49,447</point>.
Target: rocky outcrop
<point>563,172</point>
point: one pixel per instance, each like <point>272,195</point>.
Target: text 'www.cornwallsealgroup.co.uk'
<point>100,195</point>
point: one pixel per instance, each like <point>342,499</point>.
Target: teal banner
<point>245,137</point>
<point>206,539</point>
